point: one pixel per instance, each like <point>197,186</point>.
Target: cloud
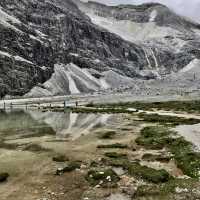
<point>189,8</point>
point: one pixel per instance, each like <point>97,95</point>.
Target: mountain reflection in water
<point>21,124</point>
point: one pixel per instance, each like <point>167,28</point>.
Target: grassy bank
<point>159,137</point>
<point>184,106</point>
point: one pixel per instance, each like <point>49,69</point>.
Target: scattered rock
<point>3,177</point>
<point>102,178</point>
<point>71,166</point>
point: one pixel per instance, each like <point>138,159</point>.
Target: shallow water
<point>191,133</point>
<point>27,124</point>
<point>118,197</point>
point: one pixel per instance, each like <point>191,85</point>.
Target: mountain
<point>56,47</point>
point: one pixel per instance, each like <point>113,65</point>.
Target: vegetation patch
<point>159,158</point>
<point>184,106</point>
<point>159,137</point>
<point>60,158</point>
<point>99,110</point>
<point>122,162</point>
<point>147,173</point>
<point>154,137</point>
<point>106,134</point>
<point>113,146</point>
<point>115,155</point>
<point>8,146</point>
<point>164,119</point>
<point>168,190</point>
<point>71,166</point>
<point>35,148</point>
<point>105,178</point>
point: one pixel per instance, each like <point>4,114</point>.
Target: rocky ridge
<point>56,47</point>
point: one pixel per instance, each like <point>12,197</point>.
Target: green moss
<point>8,146</point>
<point>105,178</point>
<point>113,146</point>
<point>184,106</point>
<point>122,162</point>
<point>99,110</point>
<point>71,166</point>
<point>60,158</point>
<point>147,173</point>
<point>106,134</point>
<point>164,119</point>
<point>167,190</point>
<point>186,158</point>
<point>160,158</point>
<point>115,155</point>
<point>154,137</point>
<point>36,148</point>
<point>159,137</point>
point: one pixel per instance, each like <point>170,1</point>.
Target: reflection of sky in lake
<point>21,124</point>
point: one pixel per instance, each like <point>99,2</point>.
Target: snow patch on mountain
<point>17,58</point>
<point>6,20</point>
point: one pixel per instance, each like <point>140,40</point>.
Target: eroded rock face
<point>35,35</point>
<point>169,41</point>
<point>38,35</point>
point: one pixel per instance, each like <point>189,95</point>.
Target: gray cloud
<point>188,8</point>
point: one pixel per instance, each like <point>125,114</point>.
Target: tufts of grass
<point>106,134</point>
<point>71,166</point>
<point>157,137</point>
<point>113,146</point>
<point>35,148</point>
<point>115,155</point>
<point>184,106</point>
<point>60,158</point>
<point>147,173</point>
<point>105,178</point>
<point>99,110</point>
<point>164,119</point>
<point>159,158</point>
<point>154,137</point>
<point>167,190</point>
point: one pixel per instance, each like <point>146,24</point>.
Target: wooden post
<point>4,105</point>
<point>11,106</point>
<point>64,104</point>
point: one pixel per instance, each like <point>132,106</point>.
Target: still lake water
<point>26,124</point>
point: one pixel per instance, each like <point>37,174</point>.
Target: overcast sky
<point>189,8</point>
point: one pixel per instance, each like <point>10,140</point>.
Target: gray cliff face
<point>48,32</point>
<point>40,39</point>
<point>169,41</point>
